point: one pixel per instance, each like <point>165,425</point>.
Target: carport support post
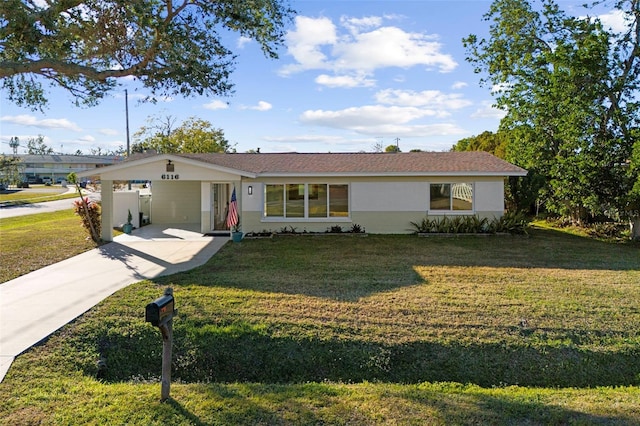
<point>106,194</point>
<point>167,344</point>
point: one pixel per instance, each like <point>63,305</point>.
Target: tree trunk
<point>634,225</point>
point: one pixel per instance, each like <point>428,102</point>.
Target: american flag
<point>232,216</point>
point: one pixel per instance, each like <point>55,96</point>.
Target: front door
<point>219,206</point>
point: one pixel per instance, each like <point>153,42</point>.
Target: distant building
<point>55,168</point>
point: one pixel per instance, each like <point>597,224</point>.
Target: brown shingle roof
<point>411,163</point>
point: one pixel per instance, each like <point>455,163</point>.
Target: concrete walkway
<point>7,211</point>
<point>37,304</point>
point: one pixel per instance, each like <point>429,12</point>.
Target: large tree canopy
<point>171,47</point>
<point>494,143</point>
<point>570,87</point>
<point>192,136</point>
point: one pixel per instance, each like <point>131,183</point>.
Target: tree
<point>392,148</point>
<point>521,192</point>
<point>118,152</point>
<point>11,169</point>
<point>36,146</point>
<point>171,47</point>
<point>194,136</point>
<point>569,87</point>
<point>495,143</point>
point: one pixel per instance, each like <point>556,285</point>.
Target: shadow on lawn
<point>317,403</point>
<point>542,249</point>
<point>348,269</point>
<point>248,354</point>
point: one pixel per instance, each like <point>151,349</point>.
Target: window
<point>318,200</point>
<point>451,196</point>
<point>295,201</point>
<point>274,201</point>
<point>306,200</point>
<point>338,200</point>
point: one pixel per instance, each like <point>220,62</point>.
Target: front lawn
<point>28,243</point>
<point>29,196</point>
<point>374,330</point>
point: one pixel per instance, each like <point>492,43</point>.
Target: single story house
<point>382,192</point>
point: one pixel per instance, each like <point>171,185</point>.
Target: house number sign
<point>170,176</point>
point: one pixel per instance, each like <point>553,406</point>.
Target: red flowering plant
<point>89,212</point>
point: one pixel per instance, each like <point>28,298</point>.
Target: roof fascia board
<point>163,157</point>
<point>213,166</point>
<point>393,174</point>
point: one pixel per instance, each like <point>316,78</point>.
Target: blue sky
<point>353,74</point>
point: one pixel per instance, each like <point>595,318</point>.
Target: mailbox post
<point>160,313</point>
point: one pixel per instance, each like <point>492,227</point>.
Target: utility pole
<point>126,108</point>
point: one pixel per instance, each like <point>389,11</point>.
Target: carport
<point>184,192</point>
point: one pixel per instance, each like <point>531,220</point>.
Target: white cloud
<point>379,120</point>
<point>242,41</point>
<point>428,98</point>
<point>355,25</point>
<point>459,85</point>
<point>216,104</point>
<point>306,41</point>
<point>315,44</point>
<point>370,115</point>
<point>391,47</point>
<point>344,81</point>
<point>46,123</point>
<point>262,106</point>
<point>302,139</point>
<point>487,110</point>
<point>87,138</point>
<point>500,88</point>
<point>615,20</point>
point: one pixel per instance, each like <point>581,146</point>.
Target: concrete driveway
<point>37,304</point>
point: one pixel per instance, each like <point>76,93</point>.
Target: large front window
<point>311,200</point>
<point>451,196</point>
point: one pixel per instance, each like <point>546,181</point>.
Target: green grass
<point>374,330</point>
<point>22,197</point>
<point>34,241</point>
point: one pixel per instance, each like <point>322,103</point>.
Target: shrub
<point>357,229</point>
<point>335,229</point>
<point>512,223</point>
<point>91,219</point>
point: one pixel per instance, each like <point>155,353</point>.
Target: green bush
<point>513,223</point>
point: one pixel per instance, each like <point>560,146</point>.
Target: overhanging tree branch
<point>175,48</point>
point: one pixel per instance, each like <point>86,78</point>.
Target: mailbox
<point>160,310</point>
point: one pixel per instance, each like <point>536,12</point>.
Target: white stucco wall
<point>123,201</point>
<point>388,196</point>
<point>381,205</point>
<point>489,196</point>
<point>175,202</point>
<point>157,171</point>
